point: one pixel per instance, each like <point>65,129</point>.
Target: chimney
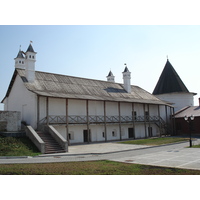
<point>127,79</point>
<point>30,64</point>
<point>110,77</point>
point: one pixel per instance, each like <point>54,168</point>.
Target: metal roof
<point>110,73</point>
<point>20,54</point>
<point>188,111</point>
<point>169,81</point>
<point>62,86</point>
<point>30,48</point>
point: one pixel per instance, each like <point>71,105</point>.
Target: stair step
<point>51,145</point>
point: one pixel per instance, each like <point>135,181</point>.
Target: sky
<point>91,51</point>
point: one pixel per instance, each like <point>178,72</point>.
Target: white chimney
<point>110,77</point>
<point>30,64</point>
<point>127,79</point>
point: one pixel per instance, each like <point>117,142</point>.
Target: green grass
<point>10,146</point>
<point>155,141</point>
<point>91,168</point>
<point>196,146</point>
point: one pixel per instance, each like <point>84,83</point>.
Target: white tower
<point>20,60</point>
<point>30,64</point>
<point>110,77</point>
<point>127,79</point>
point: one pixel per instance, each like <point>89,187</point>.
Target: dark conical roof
<point>20,54</point>
<point>126,69</point>
<point>30,48</point>
<point>169,81</point>
<point>110,74</point>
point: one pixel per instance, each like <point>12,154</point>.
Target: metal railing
<point>97,119</point>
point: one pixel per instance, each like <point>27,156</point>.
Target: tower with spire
<point>111,77</point>
<point>127,79</point>
<point>20,60</point>
<point>171,88</point>
<point>27,61</point>
<point>30,63</point>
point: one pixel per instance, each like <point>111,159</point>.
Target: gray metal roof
<point>188,111</point>
<point>62,86</point>
<point>20,54</point>
<point>30,48</point>
<point>110,73</point>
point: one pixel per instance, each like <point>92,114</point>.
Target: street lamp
<point>189,120</point>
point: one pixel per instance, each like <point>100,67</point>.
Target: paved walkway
<point>174,155</point>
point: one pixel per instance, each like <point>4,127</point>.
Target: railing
<point>97,119</point>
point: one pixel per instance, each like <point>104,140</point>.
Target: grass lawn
<point>156,141</point>
<point>196,146</point>
<point>91,168</point>
<point>10,146</point>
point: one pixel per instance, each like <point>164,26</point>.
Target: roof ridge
<point>77,77</point>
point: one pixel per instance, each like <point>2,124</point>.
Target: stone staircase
<point>51,145</point>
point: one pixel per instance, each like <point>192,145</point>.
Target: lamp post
<point>189,120</point>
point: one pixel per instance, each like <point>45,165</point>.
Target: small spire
<point>126,68</point>
<point>110,73</point>
<point>20,54</point>
<point>30,48</point>
<point>167,57</point>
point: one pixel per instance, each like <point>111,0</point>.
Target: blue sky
<point>91,51</point>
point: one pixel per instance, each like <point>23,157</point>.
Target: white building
<point>170,88</point>
<point>84,110</point>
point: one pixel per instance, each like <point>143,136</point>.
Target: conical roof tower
<point>170,88</point>
<point>169,81</point>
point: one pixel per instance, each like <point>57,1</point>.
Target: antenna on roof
<point>20,47</point>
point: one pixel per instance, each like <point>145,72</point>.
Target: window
<point>114,133</point>
<point>135,115</point>
<point>20,61</point>
<point>71,135</point>
<point>146,115</point>
<point>103,134</point>
<point>33,57</point>
<point>29,56</point>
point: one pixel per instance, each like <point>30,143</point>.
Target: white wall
<point>24,101</point>
<point>78,107</point>
<point>180,100</point>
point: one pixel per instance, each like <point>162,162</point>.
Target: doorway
<point>150,131</point>
<point>130,133</point>
<point>86,136</point>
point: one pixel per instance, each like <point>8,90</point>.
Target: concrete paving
<point>174,155</point>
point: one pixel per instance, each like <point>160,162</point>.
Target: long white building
<point>85,110</point>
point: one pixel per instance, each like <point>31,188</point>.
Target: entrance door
<point>150,131</point>
<point>86,136</point>
<point>130,133</point>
